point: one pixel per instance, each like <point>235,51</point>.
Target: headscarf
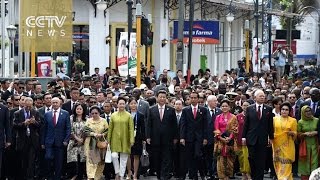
<point>303,113</point>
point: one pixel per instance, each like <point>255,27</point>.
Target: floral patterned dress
<point>73,148</point>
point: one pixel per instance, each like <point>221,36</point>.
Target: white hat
<point>86,91</point>
<point>142,86</point>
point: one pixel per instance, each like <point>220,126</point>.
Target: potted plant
<point>59,62</point>
<point>79,65</point>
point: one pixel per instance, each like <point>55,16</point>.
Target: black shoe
<point>265,172</point>
<point>232,177</point>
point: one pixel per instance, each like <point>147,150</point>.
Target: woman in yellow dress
<point>285,132</point>
<point>95,128</point>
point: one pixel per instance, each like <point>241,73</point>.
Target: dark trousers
<point>211,162</point>
<point>269,162</point>
<point>1,151</point>
<point>43,165</point>
<point>176,160</point>
<point>195,160</point>
<point>56,163</point>
<point>10,159</point>
<point>28,157</point>
<point>257,159</point>
<point>77,169</point>
<point>108,171</point>
<point>162,160</point>
<point>295,163</point>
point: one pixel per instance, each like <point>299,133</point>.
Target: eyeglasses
<point>21,87</point>
<point>92,102</point>
<point>17,99</point>
<point>292,97</point>
<point>284,109</point>
<point>9,103</point>
<point>94,113</point>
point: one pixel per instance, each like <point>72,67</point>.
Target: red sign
<point>276,43</point>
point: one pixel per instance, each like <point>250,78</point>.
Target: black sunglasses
<point>21,87</point>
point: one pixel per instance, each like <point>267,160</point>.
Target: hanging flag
<point>44,66</point>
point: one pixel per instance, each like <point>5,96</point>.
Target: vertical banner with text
<point>46,26</point>
<point>133,55</point>
<point>122,56</point>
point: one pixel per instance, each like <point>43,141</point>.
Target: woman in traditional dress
<point>243,150</point>
<point>96,129</point>
<point>121,138</point>
<point>285,132</point>
<point>75,151</point>
<point>226,129</point>
<point>307,132</point>
<point>139,137</point>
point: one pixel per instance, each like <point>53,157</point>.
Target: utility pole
<point>191,14</point>
<point>129,3</point>
<point>179,62</point>
<point>256,15</point>
<point>270,33</point>
<point>3,47</point>
<point>138,29</point>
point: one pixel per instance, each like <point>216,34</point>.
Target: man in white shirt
<point>265,67</point>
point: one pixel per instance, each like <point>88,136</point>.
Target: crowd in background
<point>217,127</point>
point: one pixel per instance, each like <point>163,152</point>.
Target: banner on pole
<point>133,55</point>
<point>46,26</point>
<point>62,70</point>
<point>44,66</point>
<point>122,56</point>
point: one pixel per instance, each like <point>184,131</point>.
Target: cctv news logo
<point>45,26</point>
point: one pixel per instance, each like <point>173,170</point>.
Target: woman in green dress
<point>121,138</point>
<point>307,131</point>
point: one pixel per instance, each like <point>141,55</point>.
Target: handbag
<point>145,157</point>
<point>303,149</point>
<point>108,158</point>
<point>102,144</point>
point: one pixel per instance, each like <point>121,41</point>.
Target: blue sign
<point>80,36</point>
<point>204,32</point>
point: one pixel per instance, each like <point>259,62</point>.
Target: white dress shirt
<point>57,114</point>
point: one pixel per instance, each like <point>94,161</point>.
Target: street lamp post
<point>12,34</point>
<point>129,3</point>
<point>229,18</point>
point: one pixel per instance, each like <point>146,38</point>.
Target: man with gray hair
<point>214,111</point>
<point>258,133</point>
<point>27,124</point>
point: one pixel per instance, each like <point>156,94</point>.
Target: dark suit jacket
<point>56,135</point>
<point>211,120</point>
<point>5,129</point>
<point>139,124</point>
<point>194,130</point>
<point>257,131</point>
<point>21,129</point>
<point>67,106</point>
<point>165,131</point>
<point>317,114</point>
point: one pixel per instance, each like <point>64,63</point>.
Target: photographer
<point>280,56</point>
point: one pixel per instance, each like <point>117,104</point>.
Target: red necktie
<point>195,113</point>
<point>54,119</point>
<point>259,112</point>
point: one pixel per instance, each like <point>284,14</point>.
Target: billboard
<point>46,26</point>
<point>204,32</point>
<point>44,66</point>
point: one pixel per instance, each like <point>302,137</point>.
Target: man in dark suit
<point>42,170</point>
<point>143,106</point>
<point>162,134</point>
<point>211,162</point>
<point>56,135</point>
<point>5,131</point>
<point>27,125</point>
<point>258,132</point>
<point>74,98</point>
<point>178,151</point>
<point>194,136</point>
<point>313,103</point>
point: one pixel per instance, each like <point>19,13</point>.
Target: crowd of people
<point>214,128</point>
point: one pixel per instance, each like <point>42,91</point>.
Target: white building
<point>91,27</point>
